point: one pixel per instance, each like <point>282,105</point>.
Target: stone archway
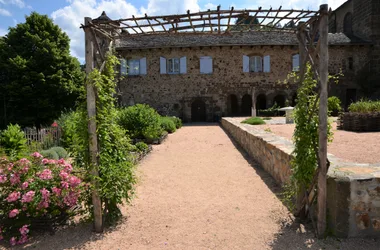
<point>280,100</point>
<point>246,105</point>
<point>198,111</point>
<point>232,105</point>
<point>261,102</point>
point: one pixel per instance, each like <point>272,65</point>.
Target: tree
<point>246,23</point>
<point>40,78</point>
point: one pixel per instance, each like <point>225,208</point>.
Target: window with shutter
<point>123,67</point>
<point>134,67</point>
<point>296,62</point>
<point>256,64</point>
<point>173,66</point>
<point>266,63</point>
<point>206,65</point>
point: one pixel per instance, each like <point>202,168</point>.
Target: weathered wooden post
<point>92,137</point>
<point>323,75</point>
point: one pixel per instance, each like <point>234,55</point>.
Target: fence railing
<point>44,138</point>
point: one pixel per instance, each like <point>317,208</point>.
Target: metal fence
<point>43,138</point>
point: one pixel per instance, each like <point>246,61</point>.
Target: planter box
<point>359,122</point>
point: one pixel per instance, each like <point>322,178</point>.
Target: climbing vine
<point>305,137</point>
<point>116,170</point>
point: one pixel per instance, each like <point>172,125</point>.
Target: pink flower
<point>55,124</point>
<point>14,196</point>
<point>28,197</point>
<point>45,193</point>
<point>3,178</point>
<point>71,199</point>
<point>63,175</point>
<point>64,184</point>
<point>24,162</point>
<point>37,155</point>
<point>43,204</point>
<point>45,175</point>
<point>13,241</point>
<point>25,185</point>
<point>56,191</point>
<point>23,239</point>
<point>24,230</point>
<point>61,161</point>
<point>15,178</point>
<point>68,168</point>
<point>13,213</point>
<point>1,237</point>
<point>45,161</point>
<point>74,181</point>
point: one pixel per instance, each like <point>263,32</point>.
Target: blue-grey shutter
<point>245,63</point>
<point>143,66</point>
<point>123,67</point>
<point>182,65</point>
<point>296,62</point>
<point>266,63</point>
<point>206,65</point>
<point>163,65</point>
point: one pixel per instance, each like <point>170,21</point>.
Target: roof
<point>250,38</point>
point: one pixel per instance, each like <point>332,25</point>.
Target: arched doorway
<point>246,105</point>
<point>261,102</point>
<point>280,100</point>
<point>198,111</point>
<point>232,104</point>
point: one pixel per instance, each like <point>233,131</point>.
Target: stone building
<point>200,77</point>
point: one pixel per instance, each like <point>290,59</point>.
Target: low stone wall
<point>353,189</point>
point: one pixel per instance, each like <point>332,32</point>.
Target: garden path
<point>198,191</point>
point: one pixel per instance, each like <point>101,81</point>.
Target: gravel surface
<point>349,146</point>
<point>198,191</point>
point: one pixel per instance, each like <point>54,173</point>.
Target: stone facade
<point>353,189</point>
<point>174,94</point>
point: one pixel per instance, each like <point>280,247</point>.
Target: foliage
<point>267,118</point>
<point>40,78</point>
<point>334,105</point>
<point>168,124</point>
<point>272,111</point>
<point>116,171</point>
<point>61,152</point>
<point>36,189</point>
<point>141,121</point>
<point>306,137</point>
<point>177,121</point>
<point>13,141</point>
<point>142,147</point>
<point>74,134</point>
<point>254,121</point>
<point>365,106</point>
<point>50,154</point>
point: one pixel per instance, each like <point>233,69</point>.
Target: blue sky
<point>69,14</point>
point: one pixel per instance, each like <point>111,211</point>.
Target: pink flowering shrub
<point>34,189</point>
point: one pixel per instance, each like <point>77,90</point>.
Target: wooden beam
<point>229,18</point>
<point>137,25</point>
<point>191,22</point>
<point>92,136</point>
<point>146,16</point>
<point>323,74</point>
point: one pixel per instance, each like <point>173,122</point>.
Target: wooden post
<point>92,137</point>
<point>323,74</point>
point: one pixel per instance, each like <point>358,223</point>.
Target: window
<point>256,64</point>
<point>296,62</point>
<point>350,63</point>
<point>347,25</point>
<point>205,65</point>
<point>173,65</point>
<point>133,67</point>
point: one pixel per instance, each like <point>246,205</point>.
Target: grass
<point>365,106</point>
<point>254,121</point>
<point>267,118</point>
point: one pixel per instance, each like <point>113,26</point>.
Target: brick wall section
<point>353,189</point>
<point>175,93</point>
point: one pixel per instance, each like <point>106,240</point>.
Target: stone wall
<point>174,94</point>
<point>353,190</point>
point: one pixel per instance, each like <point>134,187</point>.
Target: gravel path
<point>198,191</point>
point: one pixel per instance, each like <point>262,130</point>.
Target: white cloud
<point>18,3</point>
<point>3,32</point>
<point>4,12</point>
<point>297,4</point>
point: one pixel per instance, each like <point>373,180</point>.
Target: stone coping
<point>338,169</point>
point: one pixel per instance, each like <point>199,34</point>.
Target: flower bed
<point>34,193</point>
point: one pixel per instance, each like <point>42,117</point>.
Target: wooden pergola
<point>311,28</point>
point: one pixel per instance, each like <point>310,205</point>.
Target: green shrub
<point>365,106</point>
<point>140,121</point>
<point>142,147</point>
<point>272,111</point>
<point>61,152</point>
<point>13,141</point>
<point>50,154</point>
<point>267,118</point>
<point>333,105</point>
<point>254,121</point>
<point>177,121</point>
<point>168,124</point>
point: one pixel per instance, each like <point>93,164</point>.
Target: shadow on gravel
<point>295,234</point>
